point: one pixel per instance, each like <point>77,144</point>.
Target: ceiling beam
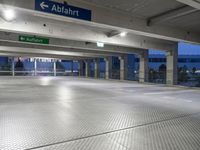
<point>192,3</point>
<point>55,48</point>
<point>12,54</point>
<point>172,14</point>
<point>70,31</point>
<point>71,45</point>
<point>140,35</point>
<point>53,52</point>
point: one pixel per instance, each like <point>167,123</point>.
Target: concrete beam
<point>36,55</point>
<point>73,32</point>
<point>12,39</point>
<point>104,18</point>
<point>63,29</point>
<point>52,53</point>
<point>172,14</point>
<point>192,3</point>
<point>7,46</point>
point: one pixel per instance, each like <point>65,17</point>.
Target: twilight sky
<point>184,49</point>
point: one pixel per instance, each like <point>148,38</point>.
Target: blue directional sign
<point>63,9</point>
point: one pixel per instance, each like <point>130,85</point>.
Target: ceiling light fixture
<point>9,14</point>
<point>123,34</point>
<point>100,44</point>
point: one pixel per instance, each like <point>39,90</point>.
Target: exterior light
<point>100,44</point>
<point>9,14</point>
<point>123,34</point>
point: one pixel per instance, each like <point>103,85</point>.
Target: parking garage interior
<point>82,80</point>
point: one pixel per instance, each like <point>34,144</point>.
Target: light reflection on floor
<point>76,113</point>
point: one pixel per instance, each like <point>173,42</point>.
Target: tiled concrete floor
<point>85,114</point>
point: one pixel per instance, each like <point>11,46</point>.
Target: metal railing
<point>5,73</point>
<point>158,77</point>
<point>189,79</point>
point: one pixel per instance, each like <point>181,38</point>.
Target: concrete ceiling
<point>190,22</point>
<point>33,24</point>
<point>150,24</point>
<point>147,9</point>
<point>139,8</point>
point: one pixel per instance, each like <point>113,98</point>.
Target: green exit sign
<point>33,39</point>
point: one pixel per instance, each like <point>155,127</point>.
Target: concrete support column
<point>108,68</point>
<point>96,68</point>
<point>123,67</point>
<point>54,67</point>
<point>87,68</point>
<point>81,68</point>
<point>35,67</point>
<point>144,67</point>
<point>72,68</point>
<point>13,66</point>
<point>172,68</point>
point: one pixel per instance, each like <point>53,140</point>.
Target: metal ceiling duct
<point>192,3</point>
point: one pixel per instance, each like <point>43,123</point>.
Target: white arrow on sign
<point>43,5</point>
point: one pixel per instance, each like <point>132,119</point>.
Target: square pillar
<point>54,67</point>
<point>81,73</point>
<point>172,68</point>
<point>144,67</point>
<point>96,68</point>
<point>87,68</point>
<point>108,67</point>
<point>72,68</point>
<point>13,66</point>
<point>123,67</point>
<point>35,67</point>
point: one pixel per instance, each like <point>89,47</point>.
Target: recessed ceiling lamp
<point>8,14</point>
<point>100,44</point>
<point>123,34</point>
